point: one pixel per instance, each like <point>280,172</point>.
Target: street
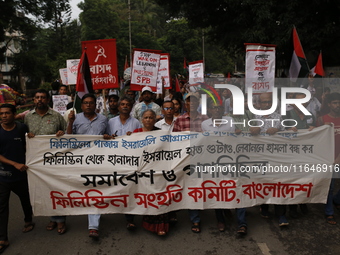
<point>309,234</point>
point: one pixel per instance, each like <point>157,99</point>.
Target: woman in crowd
<point>178,107</point>
<point>155,223</point>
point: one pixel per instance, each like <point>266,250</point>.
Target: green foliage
<point>99,20</point>
<point>46,86</point>
<point>233,23</point>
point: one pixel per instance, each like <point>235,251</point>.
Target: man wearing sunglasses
<point>168,111</point>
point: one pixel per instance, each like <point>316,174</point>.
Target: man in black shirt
<point>13,175</point>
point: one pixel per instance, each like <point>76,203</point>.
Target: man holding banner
<point>218,122</point>
<point>44,121</point>
<point>266,102</point>
<point>191,121</point>
<point>90,123</point>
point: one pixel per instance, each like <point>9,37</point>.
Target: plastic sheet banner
<point>63,76</point>
<point>196,72</point>
<point>145,65</point>
<point>156,172</point>
<point>163,77</point>
<point>72,70</point>
<point>260,67</point>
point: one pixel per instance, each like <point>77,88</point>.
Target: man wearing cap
<point>146,104</point>
<point>191,121</point>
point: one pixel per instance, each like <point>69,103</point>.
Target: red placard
<point>102,56</point>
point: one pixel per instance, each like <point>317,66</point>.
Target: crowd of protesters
<point>113,114</point>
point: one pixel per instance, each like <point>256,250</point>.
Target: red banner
<point>102,56</point>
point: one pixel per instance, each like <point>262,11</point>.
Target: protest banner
<point>63,76</point>
<point>155,172</point>
<point>72,70</point>
<point>260,67</point>
<point>145,65</point>
<point>102,57</point>
<point>163,76</point>
<point>59,103</point>
<point>196,72</point>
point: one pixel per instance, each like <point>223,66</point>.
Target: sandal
<point>131,226</point>
<point>161,233</point>
<point>221,226</point>
<point>61,228</point>
<point>94,233</point>
<point>3,247</point>
<point>242,230</point>
<point>52,225</point>
<point>196,228</point>
<point>29,226</point>
<point>330,219</point>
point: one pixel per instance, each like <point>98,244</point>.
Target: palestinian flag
<point>84,81</point>
<point>299,66</point>
<point>317,70</point>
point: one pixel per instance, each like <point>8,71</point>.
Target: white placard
<point>155,172</point>
<point>260,68</point>
<point>72,70</point>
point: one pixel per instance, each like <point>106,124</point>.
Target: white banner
<point>260,67</point>
<point>59,103</point>
<point>145,68</point>
<point>63,76</point>
<point>196,72</point>
<point>72,70</point>
<point>163,76</point>
<point>157,172</point>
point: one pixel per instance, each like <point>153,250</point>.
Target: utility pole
<point>130,32</point>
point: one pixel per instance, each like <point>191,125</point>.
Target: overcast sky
<point>75,9</point>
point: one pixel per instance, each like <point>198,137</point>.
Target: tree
<point>235,22</point>
<point>99,20</point>
<point>39,46</point>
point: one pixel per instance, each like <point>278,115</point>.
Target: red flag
<point>318,68</point>
<point>299,66</point>
<point>126,65</point>
<point>178,88</point>
<point>84,80</point>
<point>228,77</point>
<point>185,64</point>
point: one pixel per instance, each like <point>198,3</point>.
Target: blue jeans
<point>194,216</point>
<point>94,220</point>
<point>240,214</point>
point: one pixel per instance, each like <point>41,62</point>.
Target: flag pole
<point>130,41</point>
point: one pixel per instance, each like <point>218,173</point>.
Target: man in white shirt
<point>271,124</point>
<point>217,122</point>
<point>168,111</point>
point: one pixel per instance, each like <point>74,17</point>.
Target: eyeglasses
<point>167,108</point>
<point>40,97</point>
<point>89,103</point>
